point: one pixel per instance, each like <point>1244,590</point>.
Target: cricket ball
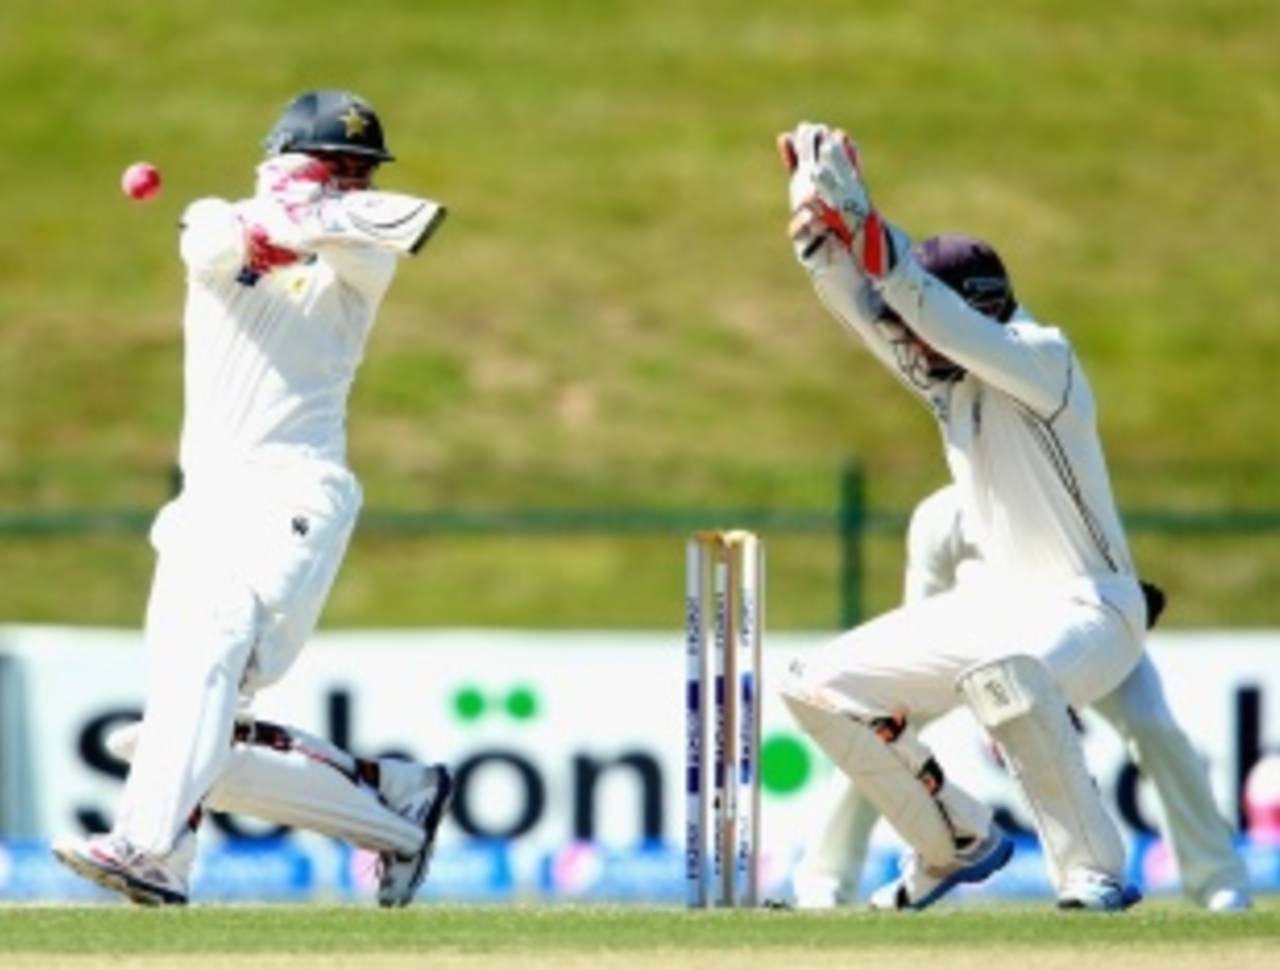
<point>140,181</point>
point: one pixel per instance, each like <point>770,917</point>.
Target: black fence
<point>848,524</point>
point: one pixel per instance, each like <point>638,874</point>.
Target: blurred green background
<point>611,317</point>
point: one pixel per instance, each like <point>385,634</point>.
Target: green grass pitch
<point>1162,933</point>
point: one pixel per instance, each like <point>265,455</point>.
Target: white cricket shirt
<point>270,358</point>
<point>939,550</point>
<point>1019,430</point>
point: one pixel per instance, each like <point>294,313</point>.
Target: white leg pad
<point>881,774</point>
<point>301,780</point>
<point>1020,705</point>
<point>968,817</point>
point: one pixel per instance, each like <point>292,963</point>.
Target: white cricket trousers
<point>1202,840</point>
<point>907,661</point>
<point>244,565</point>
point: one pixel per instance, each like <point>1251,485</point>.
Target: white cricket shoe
<point>112,862</point>
<point>1097,893</point>
<point>1228,900</point>
<point>920,886</point>
<point>815,892</point>
<point>399,876</point>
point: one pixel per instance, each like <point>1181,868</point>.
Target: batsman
<point>282,292</point>
<point>1057,618</point>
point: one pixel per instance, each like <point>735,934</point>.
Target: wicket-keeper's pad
<point>1017,701</point>
<point>886,773</point>
<point>287,776</point>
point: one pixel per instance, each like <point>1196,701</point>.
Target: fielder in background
<point>282,292</point>
<point>1057,617</point>
<point>942,554</point>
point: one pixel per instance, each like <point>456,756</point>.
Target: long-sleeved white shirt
<point>270,358</point>
<point>939,550</point>
<point>1019,428</point>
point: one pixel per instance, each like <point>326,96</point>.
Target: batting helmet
<point>973,269</point>
<point>329,121</point>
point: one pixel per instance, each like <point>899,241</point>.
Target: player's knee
<point>804,690</point>
<point>803,694</point>
<point>278,644</point>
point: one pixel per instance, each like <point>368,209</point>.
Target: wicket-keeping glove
<point>830,202</point>
<point>799,150</point>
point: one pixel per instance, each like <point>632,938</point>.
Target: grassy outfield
<point>1166,935</point>
<point>611,315</point>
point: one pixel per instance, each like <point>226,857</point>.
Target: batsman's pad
<point>1020,705</point>
<point>881,773</point>
<point>287,776</point>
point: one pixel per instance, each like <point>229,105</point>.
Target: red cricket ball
<point>140,181</point>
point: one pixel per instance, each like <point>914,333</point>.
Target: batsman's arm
<point>361,235</point>
<point>212,241</point>
<point>299,201</point>
<point>389,222</point>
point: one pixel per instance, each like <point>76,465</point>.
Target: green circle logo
<point>785,764</point>
<point>471,703</point>
<point>522,703</point>
<point>468,704</point>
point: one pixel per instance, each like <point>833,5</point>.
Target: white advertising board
<point>561,738</point>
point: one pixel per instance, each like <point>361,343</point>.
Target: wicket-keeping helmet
<point>973,269</point>
<point>329,121</point>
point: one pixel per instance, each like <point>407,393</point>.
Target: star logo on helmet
<point>354,121</point>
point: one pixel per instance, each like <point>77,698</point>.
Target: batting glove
<point>292,179</point>
<point>261,254</point>
<point>288,192</point>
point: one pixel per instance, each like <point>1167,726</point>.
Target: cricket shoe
<point>920,885</point>
<point>817,892</point>
<point>1096,893</point>
<point>399,876</point>
<point>113,863</point>
<point>1228,899</point>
